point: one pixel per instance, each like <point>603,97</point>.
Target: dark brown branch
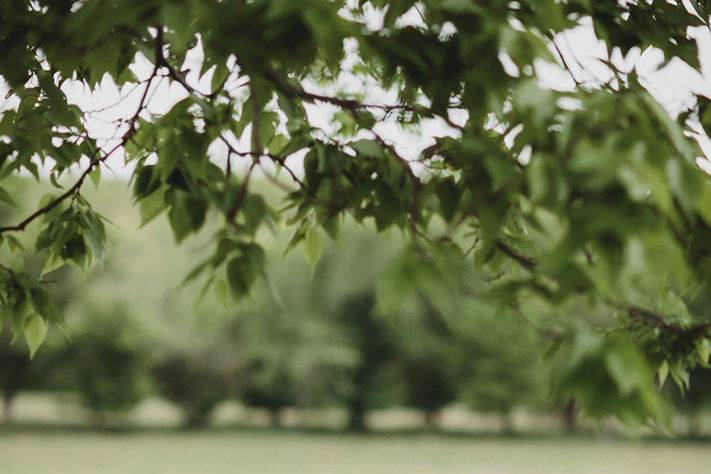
<point>177,75</point>
<point>256,147</point>
<point>653,320</point>
<point>566,66</point>
<point>636,314</point>
<point>228,165</point>
<point>276,158</point>
<point>523,260</point>
<point>348,104</point>
<point>242,195</point>
<point>58,200</point>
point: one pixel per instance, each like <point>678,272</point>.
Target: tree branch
<point>279,159</point>
<point>348,104</point>
<point>95,160</point>
<point>566,66</point>
<point>256,151</point>
<point>636,314</point>
<point>653,320</point>
<point>525,261</point>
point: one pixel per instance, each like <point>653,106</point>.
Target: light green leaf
<point>313,247</point>
<point>222,293</point>
<point>703,351</point>
<point>151,207</point>
<point>35,332</point>
<point>663,373</point>
<point>368,148</point>
<point>6,198</point>
<point>95,175</point>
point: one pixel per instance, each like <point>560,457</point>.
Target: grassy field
<point>57,452</point>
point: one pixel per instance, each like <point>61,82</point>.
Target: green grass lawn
<point>56,452</point>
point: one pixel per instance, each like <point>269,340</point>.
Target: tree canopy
<point>590,197</point>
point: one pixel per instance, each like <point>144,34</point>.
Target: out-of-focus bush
<point>501,363</point>
<point>108,359</point>
<point>197,380</point>
<point>375,344</point>
<point>695,400</point>
<point>291,358</point>
<point>430,359</point>
<point>17,371</point>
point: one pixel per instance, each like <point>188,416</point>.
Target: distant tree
<point>268,383</point>
<point>17,373</point>
<point>429,358</point>
<point>197,381</point>
<point>502,367</point>
<point>569,415</point>
<point>374,343</point>
<point>289,356</point>
<point>44,371</point>
<point>108,359</point>
<point>694,401</point>
<point>430,387</point>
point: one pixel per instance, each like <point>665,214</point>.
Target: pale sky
<point>672,86</point>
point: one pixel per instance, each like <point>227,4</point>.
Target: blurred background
<point>321,368</point>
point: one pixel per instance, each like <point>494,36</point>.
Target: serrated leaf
<point>14,244</point>
<point>95,175</point>
<point>313,247</point>
<point>35,332</point>
<point>187,214</point>
<point>237,277</point>
<point>219,76</point>
<point>6,198</point>
<point>703,351</point>
<point>368,148</point>
<point>151,207</point>
<point>52,263</point>
<point>663,373</point>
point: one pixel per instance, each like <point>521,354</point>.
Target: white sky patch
<point>673,86</point>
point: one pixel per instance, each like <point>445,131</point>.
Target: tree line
<point>313,337</point>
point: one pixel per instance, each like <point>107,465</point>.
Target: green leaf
<point>240,277</point>
<point>6,198</point>
<point>151,207</point>
<point>663,373</point>
<point>219,76</point>
<point>187,214</point>
<point>95,175</point>
<point>14,244</point>
<point>313,247</point>
<point>35,332</point>
<point>703,350</point>
<point>146,182</point>
<point>368,148</point>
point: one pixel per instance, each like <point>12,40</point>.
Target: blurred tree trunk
<point>431,419</point>
<point>196,420</point>
<point>7,401</point>
<point>275,417</point>
<point>356,416</point>
<point>98,420</point>
<point>693,424</point>
<point>570,417</point>
<point>508,426</point>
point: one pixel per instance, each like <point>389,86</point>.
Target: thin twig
<point>279,159</point>
<point>96,159</point>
